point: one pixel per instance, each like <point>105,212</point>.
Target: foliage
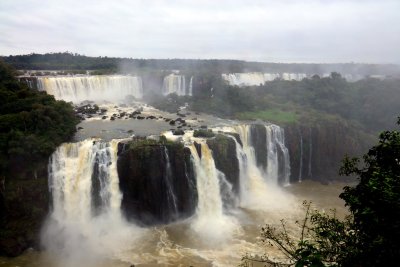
<point>375,201</point>
<point>369,237</point>
<point>324,240</point>
<point>370,104</point>
<point>203,133</point>
<point>32,123</point>
<point>272,115</point>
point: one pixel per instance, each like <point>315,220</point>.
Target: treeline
<point>32,123</point>
<point>70,61</point>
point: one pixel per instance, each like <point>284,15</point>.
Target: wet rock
<point>146,200</point>
<point>178,132</point>
<point>104,117</point>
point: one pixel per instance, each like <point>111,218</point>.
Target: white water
<point>174,84</point>
<point>72,232</point>
<point>301,157</point>
<point>210,223</point>
<point>95,88</point>
<point>275,141</point>
<point>259,78</point>
<point>191,86</point>
<point>259,188</point>
<point>168,177</point>
<point>213,235</point>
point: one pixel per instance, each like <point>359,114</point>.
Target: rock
<point>172,122</point>
<point>80,128</point>
<point>224,151</point>
<point>112,118</point>
<point>146,200</point>
<point>104,117</point>
<point>178,132</point>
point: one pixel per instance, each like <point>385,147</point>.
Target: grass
<point>271,115</point>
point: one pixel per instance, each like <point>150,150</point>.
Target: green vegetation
<point>32,125</point>
<point>273,115</point>
<point>370,236</point>
<point>203,133</point>
<point>140,142</point>
<point>369,104</point>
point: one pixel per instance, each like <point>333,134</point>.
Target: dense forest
<point>32,125</point>
<point>70,61</point>
<point>371,104</point>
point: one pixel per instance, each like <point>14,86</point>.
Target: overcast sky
<point>261,30</point>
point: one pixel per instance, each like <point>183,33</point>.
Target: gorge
<point>168,188</point>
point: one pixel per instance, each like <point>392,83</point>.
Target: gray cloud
<point>262,30</point>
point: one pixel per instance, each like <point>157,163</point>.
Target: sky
<point>322,31</point>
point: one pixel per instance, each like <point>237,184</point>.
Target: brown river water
<point>178,245</point>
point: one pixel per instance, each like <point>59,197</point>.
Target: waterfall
<point>258,186</point>
<point>168,178</point>
<point>210,223</point>
<point>259,78</point>
<point>174,84</point>
<point>95,88</point>
<point>301,157</point>
<point>191,86</point>
<point>278,168</point>
<point>74,232</point>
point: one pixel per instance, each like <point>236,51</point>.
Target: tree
<point>370,236</point>
<point>375,201</point>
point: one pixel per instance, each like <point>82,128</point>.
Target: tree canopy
<point>32,123</point>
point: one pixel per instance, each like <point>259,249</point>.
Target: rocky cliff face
<point>24,200</point>
<point>224,154</point>
<point>157,181</point>
<point>316,151</point>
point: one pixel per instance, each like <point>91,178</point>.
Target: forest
<point>370,104</point>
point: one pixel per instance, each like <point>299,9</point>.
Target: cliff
<point>157,182</point>
<point>24,203</point>
<point>316,150</point>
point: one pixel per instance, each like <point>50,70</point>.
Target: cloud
<point>279,31</point>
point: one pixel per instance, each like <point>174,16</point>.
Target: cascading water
<point>191,86</point>
<point>73,231</point>
<point>95,88</point>
<point>301,158</point>
<point>278,169</point>
<point>259,78</point>
<point>210,223</point>
<point>168,178</point>
<point>174,84</point>
<point>259,187</point>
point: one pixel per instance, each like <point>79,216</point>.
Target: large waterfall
<point>85,224</point>
<point>174,83</point>
<point>259,78</point>
<point>96,88</point>
<point>87,221</point>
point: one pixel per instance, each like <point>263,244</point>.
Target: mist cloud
<point>279,31</point>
